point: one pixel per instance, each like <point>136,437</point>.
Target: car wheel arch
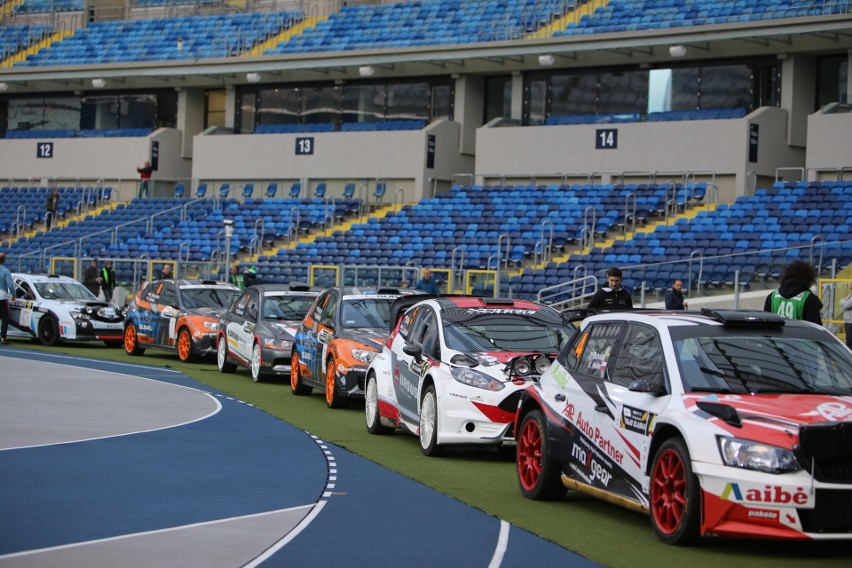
<point>424,384</point>
<point>662,432</point>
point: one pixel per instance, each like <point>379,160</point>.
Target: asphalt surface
<point>106,464</point>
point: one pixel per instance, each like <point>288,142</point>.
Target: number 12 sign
<point>305,146</point>
<point>606,139</point>
<point>44,149</point>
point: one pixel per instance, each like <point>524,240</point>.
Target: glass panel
<point>498,97</point>
<point>574,94</point>
<point>44,114</point>
<point>623,93</point>
<point>727,86</point>
<point>408,101</point>
<point>279,106</point>
<point>684,89</point>
<point>215,108</point>
<point>363,103</point>
<point>442,102</point>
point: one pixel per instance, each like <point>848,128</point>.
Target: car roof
<point>197,283</point>
<point>44,277</point>
<point>288,289</point>
<point>740,319</point>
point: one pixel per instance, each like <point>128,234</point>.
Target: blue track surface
<point>141,496</point>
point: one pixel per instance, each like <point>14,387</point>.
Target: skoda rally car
<point>723,423</point>
<point>54,308</point>
<point>454,367</point>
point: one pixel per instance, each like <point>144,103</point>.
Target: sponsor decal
<point>146,328</point>
<point>596,471</point>
<point>420,368</point>
<point>598,360</point>
<point>770,515</point>
<point>233,335</point>
<point>636,420</point>
<point>324,336</point>
<point>594,434</point>
<point>248,327</point>
<point>834,411</point>
<point>147,316</point>
<point>515,311</point>
<point>560,375</point>
<point>486,360</point>
<point>768,494</point>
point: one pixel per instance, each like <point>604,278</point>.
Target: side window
<point>327,318</point>
<point>168,296</point>
<point>316,310</point>
<point>24,291</point>
<point>591,352</point>
<point>240,306</point>
<point>640,357</point>
<point>405,325</point>
<point>251,305</point>
<point>426,333</point>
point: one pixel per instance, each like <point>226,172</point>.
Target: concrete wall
<point>830,141</point>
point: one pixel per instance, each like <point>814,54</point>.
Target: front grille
<point>826,450</point>
<point>832,515</point>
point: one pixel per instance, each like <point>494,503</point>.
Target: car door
<point>22,305</point>
<point>325,332</point>
<point>407,371</point>
<point>580,396</point>
<point>306,338</point>
<point>640,363</point>
<point>236,327</point>
<point>165,311</point>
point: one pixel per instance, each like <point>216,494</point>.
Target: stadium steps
<point>286,35</point>
<point>311,237</point>
<point>64,222</point>
<point>570,17</point>
<point>8,9</point>
<point>33,49</point>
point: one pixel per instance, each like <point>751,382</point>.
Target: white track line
<point>502,545</point>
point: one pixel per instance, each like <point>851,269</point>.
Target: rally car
<point>52,308</point>
<point>257,330</point>
<point>338,338</point>
<point>177,315</point>
<point>453,368</point>
<point>722,423</point>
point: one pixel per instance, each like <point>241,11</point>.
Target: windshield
<point>366,312</point>
<point>753,364</point>
<point>286,307</point>
<point>64,291</point>
<point>504,333</point>
<point>215,298</point>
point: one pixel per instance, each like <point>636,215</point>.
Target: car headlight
<point>363,355</point>
<point>211,325</point>
<point>80,315</point>
<point>748,454</point>
<point>474,378</point>
<point>280,344</point>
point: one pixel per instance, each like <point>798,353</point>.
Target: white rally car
<point>720,423</point>
<point>453,368</point>
<point>53,308</point>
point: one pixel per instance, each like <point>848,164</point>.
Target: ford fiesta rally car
<point>257,331</point>
<point>454,367</point>
<point>53,308</point>
<point>722,423</point>
<point>177,315</point>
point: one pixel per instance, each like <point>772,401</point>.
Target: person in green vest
<point>108,282</point>
<point>793,299</point>
<point>236,278</point>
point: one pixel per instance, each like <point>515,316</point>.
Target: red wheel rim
<point>529,455</point>
<point>183,345</point>
<point>668,491</point>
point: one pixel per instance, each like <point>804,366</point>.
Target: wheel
<point>675,506</point>
<point>429,423</point>
<point>185,347</point>
<point>256,374</point>
<point>222,356</point>
<point>131,341</point>
<point>371,408</point>
<point>48,330</point>
<point>296,386</point>
<point>114,342</point>
<point>538,474</point>
<point>332,397</point>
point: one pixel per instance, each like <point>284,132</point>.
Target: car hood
<point>369,336</point>
<point>212,313</point>
<point>91,305</point>
<point>773,418</point>
<point>282,329</point>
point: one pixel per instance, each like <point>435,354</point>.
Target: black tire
<point>674,495</point>
<point>429,423</point>
<point>222,362</point>
<point>114,343</point>
<point>539,475</point>
<point>48,330</point>
<point>371,408</point>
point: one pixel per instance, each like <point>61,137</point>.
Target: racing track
<point>109,464</point>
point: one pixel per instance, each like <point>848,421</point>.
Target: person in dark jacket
<point>612,297</point>
<point>92,277</point>
<point>793,299</point>
<point>674,296</point>
<point>250,277</point>
<point>108,282</point>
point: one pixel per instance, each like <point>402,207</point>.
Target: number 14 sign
<point>606,139</point>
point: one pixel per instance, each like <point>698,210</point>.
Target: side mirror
<point>652,387</point>
<point>414,350</point>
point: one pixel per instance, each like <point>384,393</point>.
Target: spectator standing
<point>674,296</point>
<point>236,278</point>
<point>793,299</point>
<point>51,208</point>
<point>250,277</point>
<point>165,273</point>
<point>612,296</point>
<point>145,176</point>
<point>92,277</point>
<point>426,283</point>
<point>108,282</point>
<point>7,292</point>
<point>846,305</point>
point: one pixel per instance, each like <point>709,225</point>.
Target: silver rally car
<point>257,330</point>
<point>52,308</point>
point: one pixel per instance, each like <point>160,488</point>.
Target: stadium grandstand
<point>515,147</point>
